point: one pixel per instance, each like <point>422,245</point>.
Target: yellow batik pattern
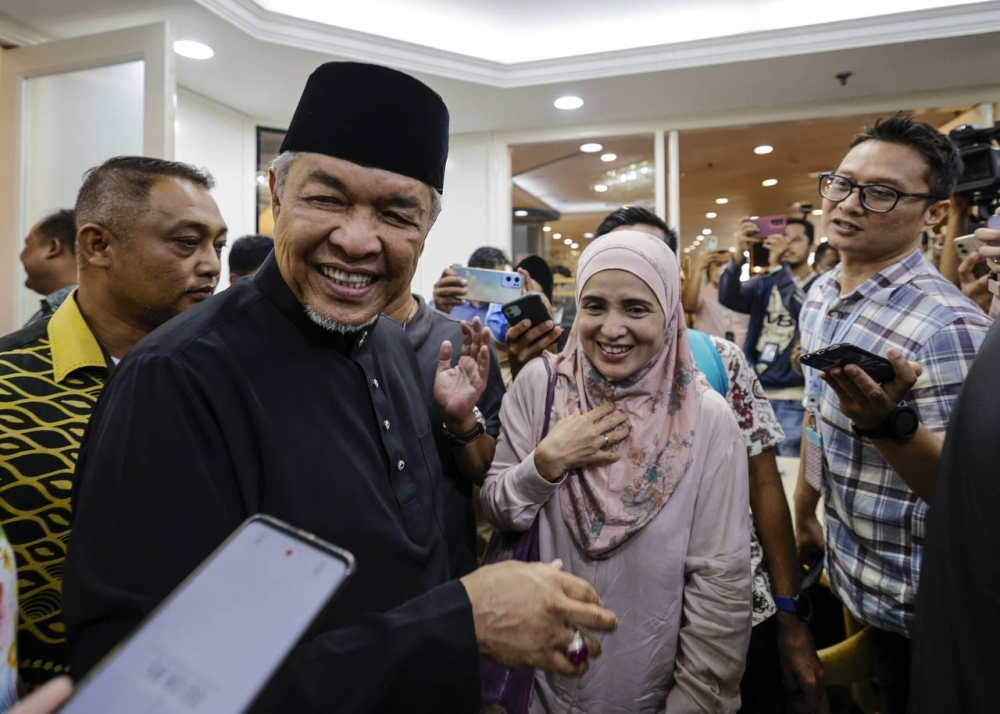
<point>42,422</point>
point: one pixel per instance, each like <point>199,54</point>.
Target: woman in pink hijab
<point>640,487</point>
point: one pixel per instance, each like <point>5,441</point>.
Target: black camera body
<point>980,180</point>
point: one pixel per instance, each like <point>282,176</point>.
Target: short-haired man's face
<point>864,235</point>
<point>170,259</point>
<point>347,237</point>
<point>41,277</point>
<point>798,245</point>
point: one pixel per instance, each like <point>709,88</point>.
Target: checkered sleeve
<point>945,358</point>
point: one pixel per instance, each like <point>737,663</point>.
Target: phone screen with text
<point>218,639</point>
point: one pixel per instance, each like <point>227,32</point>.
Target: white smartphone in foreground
<point>484,285</point>
<point>967,245</point>
<point>217,640</point>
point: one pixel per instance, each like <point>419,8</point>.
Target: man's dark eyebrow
<point>327,179</point>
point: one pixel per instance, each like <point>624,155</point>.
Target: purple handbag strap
<point>550,394</point>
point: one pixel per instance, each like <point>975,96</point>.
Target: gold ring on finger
<point>607,441</point>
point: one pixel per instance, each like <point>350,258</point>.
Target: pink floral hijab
<point>605,505</point>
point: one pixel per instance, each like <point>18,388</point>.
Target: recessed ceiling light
<point>520,214</point>
<point>568,241</point>
<point>568,103</point>
<point>588,235</point>
<point>706,231</point>
<point>754,218</point>
<point>600,188</point>
<point>546,228</point>
<point>711,214</point>
<point>557,236</point>
<point>817,211</point>
<point>609,157</point>
<point>764,149</point>
<point>591,148</point>
<point>769,182</point>
<point>574,246</point>
<point>193,50</point>
<point>722,201</point>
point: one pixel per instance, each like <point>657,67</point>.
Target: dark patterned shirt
<point>51,373</point>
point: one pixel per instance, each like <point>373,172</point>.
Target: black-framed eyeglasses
<point>874,196</point>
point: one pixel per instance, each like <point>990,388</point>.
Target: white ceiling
<point>263,79</point>
<point>531,30</point>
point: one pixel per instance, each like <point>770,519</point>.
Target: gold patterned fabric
<point>51,373</point>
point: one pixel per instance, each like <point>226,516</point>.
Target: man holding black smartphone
<point>880,454</point>
<point>773,301</point>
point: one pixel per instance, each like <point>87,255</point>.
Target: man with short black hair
<point>247,254</point>
<point>773,302</point>
<point>881,453</point>
<point>49,260</point>
<point>148,246</point>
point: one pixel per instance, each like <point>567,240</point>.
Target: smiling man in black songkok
<point>288,394</point>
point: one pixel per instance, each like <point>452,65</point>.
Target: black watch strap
<point>469,436</point>
<point>900,425</point>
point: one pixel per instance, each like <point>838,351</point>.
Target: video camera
<point>980,181</point>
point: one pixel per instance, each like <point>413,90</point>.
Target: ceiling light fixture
<point>722,201</point>
<point>600,188</point>
<point>568,241</point>
<point>574,246</point>
<point>557,236</point>
<point>763,149</point>
<point>521,213</point>
<point>568,103</point>
<point>706,231</point>
<point>588,235</point>
<point>817,211</point>
<point>711,214</point>
<point>591,148</point>
<point>769,182</point>
<point>609,157</point>
<point>546,228</point>
<point>193,50</point>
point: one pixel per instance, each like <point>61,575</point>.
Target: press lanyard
<point>814,384</point>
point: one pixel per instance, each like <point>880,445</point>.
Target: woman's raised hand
<point>582,439</point>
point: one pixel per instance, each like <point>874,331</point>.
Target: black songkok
<point>373,116</point>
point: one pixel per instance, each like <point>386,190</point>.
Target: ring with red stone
<point>577,650</point>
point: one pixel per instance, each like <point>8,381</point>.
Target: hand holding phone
<point>989,240</point>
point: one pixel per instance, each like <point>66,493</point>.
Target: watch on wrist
<point>901,425</point>
<point>469,436</point>
<point>799,605</point>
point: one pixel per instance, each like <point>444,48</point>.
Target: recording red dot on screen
<point>288,553</point>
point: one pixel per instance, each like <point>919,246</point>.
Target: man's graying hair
<point>281,163</point>
<point>115,194</point>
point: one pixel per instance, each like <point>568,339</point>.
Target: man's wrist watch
<point>468,437</point>
<point>799,605</point>
<point>901,425</point>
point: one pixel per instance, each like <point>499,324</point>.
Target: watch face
<point>905,422</point>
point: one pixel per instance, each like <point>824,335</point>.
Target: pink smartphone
<point>769,226</point>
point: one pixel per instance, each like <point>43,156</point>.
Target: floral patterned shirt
<point>8,625</point>
<point>761,431</point>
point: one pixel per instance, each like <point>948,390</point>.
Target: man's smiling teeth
<point>350,280</point>
<point>615,349</point>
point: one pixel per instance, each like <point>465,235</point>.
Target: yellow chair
<point>851,663</point>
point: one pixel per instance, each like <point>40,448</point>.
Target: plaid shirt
<point>875,524</point>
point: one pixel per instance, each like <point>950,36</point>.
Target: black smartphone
<point>878,368</point>
<point>527,307</point>
<point>216,641</point>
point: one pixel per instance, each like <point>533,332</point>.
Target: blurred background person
<point>825,259</point>
<point>701,299</point>
<point>773,302</point>
<point>49,260</point>
<point>247,254</point>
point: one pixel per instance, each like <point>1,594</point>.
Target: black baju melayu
<point>956,645</point>
<point>242,405</point>
<point>426,331</point>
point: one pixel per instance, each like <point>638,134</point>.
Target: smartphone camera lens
<point>513,311</point>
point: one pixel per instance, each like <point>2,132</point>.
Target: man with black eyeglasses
<point>881,444</point>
